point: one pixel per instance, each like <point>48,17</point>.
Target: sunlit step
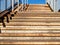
<point>37,14</point>
<point>31,31</point>
<point>29,43</point>
<point>32,24</point>
<point>38,8</point>
<point>30,28</point>
<point>38,5</point>
<point>47,20</point>
<point>44,39</point>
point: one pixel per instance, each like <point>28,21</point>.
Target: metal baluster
<point>55,2</point>
<point>18,5</point>
<point>0,5</point>
<point>6,4</point>
<point>25,3</point>
<point>12,5</point>
<point>22,5</point>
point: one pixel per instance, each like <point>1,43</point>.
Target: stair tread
<point>47,20</point>
<point>37,14</point>
<point>31,43</point>
<point>30,28</point>
<point>38,8</point>
<point>33,39</point>
<point>32,24</point>
<point>38,5</point>
<point>29,35</point>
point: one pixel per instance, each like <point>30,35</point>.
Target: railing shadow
<point>6,14</point>
<point>2,17</point>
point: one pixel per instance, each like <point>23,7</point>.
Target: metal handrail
<point>0,6</point>
<point>13,3</point>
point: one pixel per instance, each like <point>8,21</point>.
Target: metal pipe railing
<point>12,5</point>
<point>5,4</point>
<point>0,5</point>
<point>24,2</point>
<point>18,5</point>
<point>22,5</point>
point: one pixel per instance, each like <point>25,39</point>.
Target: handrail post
<point>12,5</point>
<point>0,5</point>
<point>25,3</point>
<point>18,5</point>
<point>6,4</point>
<point>22,5</point>
<point>55,5</point>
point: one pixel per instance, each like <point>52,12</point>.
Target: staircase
<point>37,25</point>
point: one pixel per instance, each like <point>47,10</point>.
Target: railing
<point>10,7</point>
<point>6,9</point>
<point>53,4</point>
<point>12,3</point>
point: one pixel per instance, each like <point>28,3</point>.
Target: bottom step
<point>31,43</point>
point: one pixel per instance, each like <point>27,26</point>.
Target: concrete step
<point>30,34</point>
<point>38,5</point>
<point>32,31</point>
<point>32,24</point>
<point>37,14</point>
<point>37,19</point>
<point>38,9</point>
<point>29,43</point>
<point>31,39</point>
<point>30,28</point>
<point>35,8</point>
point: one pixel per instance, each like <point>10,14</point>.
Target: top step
<point>39,5</point>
